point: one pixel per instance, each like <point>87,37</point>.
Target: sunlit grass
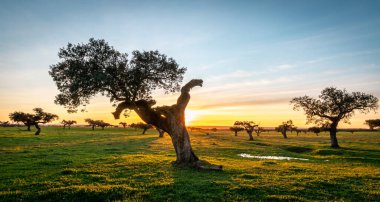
<point>123,165</point>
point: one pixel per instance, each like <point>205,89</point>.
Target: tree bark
<point>160,132</point>
<point>93,127</point>
<point>235,133</point>
<point>171,119</point>
<point>250,135</point>
<point>28,127</point>
<point>181,142</point>
<point>334,140</point>
<point>284,134</point>
<point>38,129</point>
<point>144,130</point>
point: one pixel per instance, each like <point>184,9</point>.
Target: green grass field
<point>119,164</point>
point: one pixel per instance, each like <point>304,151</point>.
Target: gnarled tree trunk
<point>160,132</point>
<point>250,135</point>
<point>171,119</point>
<point>284,133</point>
<point>334,140</point>
<point>38,129</point>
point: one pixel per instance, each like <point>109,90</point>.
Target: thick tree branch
<point>184,98</point>
<point>120,108</point>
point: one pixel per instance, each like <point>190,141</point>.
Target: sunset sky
<point>254,56</point>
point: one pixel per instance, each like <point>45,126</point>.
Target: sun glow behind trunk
<point>190,116</point>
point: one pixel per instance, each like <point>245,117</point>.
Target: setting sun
<point>190,116</point>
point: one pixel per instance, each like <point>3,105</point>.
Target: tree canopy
<point>96,67</point>
<point>68,123</point>
<point>249,127</point>
<point>33,119</point>
<point>373,123</point>
<point>284,127</point>
<point>333,106</point>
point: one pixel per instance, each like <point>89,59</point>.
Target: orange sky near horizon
<point>201,111</point>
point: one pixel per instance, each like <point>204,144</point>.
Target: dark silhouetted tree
<point>284,127</point>
<point>333,106</point>
<point>33,119</point>
<point>96,67</point>
<point>102,124</point>
<point>68,123</point>
<point>236,129</point>
<point>91,123</point>
<point>160,132</point>
<point>4,123</point>
<point>258,130</point>
<point>124,124</point>
<point>249,127</point>
<point>373,123</point>
<point>142,126</point>
<point>315,130</point>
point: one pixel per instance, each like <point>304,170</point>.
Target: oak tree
<point>68,123</point>
<point>249,127</point>
<point>33,119</point>
<point>91,123</point>
<point>124,124</point>
<point>236,129</point>
<point>284,127</point>
<point>96,67</point>
<point>373,123</point>
<point>333,106</point>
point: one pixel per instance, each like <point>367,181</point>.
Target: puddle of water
<point>272,157</point>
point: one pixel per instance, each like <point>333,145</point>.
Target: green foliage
<point>123,165</point>
<point>39,117</point>
<point>96,67</point>
<point>236,128</point>
<point>334,105</point>
<point>249,126</point>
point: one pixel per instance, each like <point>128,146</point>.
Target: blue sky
<point>254,56</point>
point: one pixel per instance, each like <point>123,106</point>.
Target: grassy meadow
<point>119,164</point>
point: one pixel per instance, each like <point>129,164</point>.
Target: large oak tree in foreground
<point>96,67</point>
<point>333,106</point>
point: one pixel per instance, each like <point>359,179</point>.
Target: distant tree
<point>248,126</point>
<point>236,129</point>
<point>102,124</point>
<point>33,119</point>
<point>96,67</point>
<point>333,106</point>
<point>284,127</point>
<point>298,131</point>
<point>315,130</point>
<point>258,130</point>
<point>160,132</point>
<point>91,123</point>
<point>293,129</point>
<point>4,123</point>
<point>142,126</point>
<point>373,123</point>
<point>124,124</point>
<point>214,129</point>
<point>68,123</point>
